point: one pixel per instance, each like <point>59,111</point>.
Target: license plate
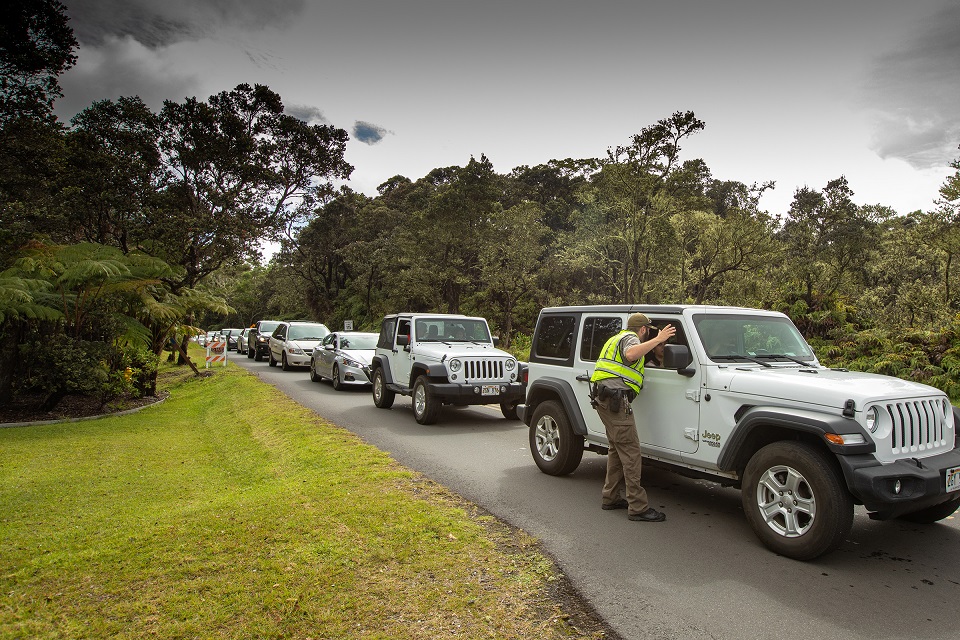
<point>953,479</point>
<point>494,390</point>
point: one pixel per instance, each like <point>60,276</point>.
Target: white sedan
<point>344,358</point>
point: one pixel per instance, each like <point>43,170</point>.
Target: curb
<point>38,423</point>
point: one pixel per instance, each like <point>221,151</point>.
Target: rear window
<point>555,337</point>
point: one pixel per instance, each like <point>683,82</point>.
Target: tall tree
<point>36,46</point>
<point>239,166</point>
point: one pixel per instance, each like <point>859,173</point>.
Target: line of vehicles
<point>737,397</point>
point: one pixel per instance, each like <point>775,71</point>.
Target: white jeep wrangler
<point>741,399</point>
<point>443,359</point>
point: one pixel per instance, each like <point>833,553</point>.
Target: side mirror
<point>403,341</point>
<point>496,341</point>
<point>676,356</point>
<point>328,347</point>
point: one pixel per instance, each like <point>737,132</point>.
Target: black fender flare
<point>802,422</point>
<point>379,361</point>
<point>568,398</point>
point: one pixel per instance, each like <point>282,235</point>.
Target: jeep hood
<point>440,350</point>
<point>825,387</point>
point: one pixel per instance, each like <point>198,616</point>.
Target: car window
<point>555,337</point>
<point>358,342</point>
<point>596,332</point>
<point>307,332</point>
<point>386,333</point>
<point>330,339</point>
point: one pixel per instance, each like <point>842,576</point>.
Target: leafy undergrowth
<point>207,517</point>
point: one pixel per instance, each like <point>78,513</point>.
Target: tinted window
<point>386,333</point>
<point>596,332</point>
<point>555,337</point>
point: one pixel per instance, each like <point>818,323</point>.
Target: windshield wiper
<point>772,356</point>
<point>737,356</point>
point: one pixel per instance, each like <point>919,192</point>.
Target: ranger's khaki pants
<point>623,461</point>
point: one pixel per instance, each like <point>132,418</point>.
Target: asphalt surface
<point>700,574</point>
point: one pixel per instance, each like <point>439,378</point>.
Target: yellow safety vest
<point>611,364</point>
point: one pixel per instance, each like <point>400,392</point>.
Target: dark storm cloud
<point>310,115</point>
<point>368,133</point>
<point>915,91</point>
<point>155,23</point>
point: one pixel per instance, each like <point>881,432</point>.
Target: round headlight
<point>872,419</point>
<point>454,365</point>
<point>510,364</point>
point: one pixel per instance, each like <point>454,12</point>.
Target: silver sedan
<point>344,358</point>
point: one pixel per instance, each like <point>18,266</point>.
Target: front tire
<point>426,409</point>
<point>509,410</point>
<point>796,501</point>
<point>556,449</point>
<point>933,514</point>
<point>314,376</point>
<point>382,396</point>
<point>251,353</point>
<point>273,362</point>
<point>284,364</point>
<point>335,380</point>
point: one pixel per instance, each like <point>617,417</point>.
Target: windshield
<point>366,341</point>
<point>452,330</point>
<point>733,337</point>
<point>307,332</point>
<point>268,327</point>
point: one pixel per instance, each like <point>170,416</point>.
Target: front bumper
<point>298,359</point>
<point>509,392</point>
<point>922,482</point>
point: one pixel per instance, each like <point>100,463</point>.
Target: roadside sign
<point>348,325</point>
<point>217,352</point>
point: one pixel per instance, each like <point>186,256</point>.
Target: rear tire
<point>556,449</point>
<point>382,397</point>
<point>426,409</point>
<point>796,501</point>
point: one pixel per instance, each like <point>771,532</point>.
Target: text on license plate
<point>953,479</point>
<point>494,390</point>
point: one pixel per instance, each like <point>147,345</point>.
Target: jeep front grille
<point>918,425</point>
<point>481,369</point>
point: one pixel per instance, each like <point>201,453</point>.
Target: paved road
<point>700,574</point>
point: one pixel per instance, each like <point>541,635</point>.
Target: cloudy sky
<point>795,92</point>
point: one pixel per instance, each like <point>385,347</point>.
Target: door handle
<point>583,378</point>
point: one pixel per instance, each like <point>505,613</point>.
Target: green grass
<point>204,517</point>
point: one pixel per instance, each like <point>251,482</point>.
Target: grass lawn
<point>202,517</point>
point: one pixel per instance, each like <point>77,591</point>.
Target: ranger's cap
<point>637,320</point>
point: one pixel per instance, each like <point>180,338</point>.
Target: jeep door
<point>401,360</point>
<point>666,412</point>
<point>667,409</point>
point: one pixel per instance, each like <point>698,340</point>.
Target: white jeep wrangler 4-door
<point>741,399</point>
<point>443,359</point>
